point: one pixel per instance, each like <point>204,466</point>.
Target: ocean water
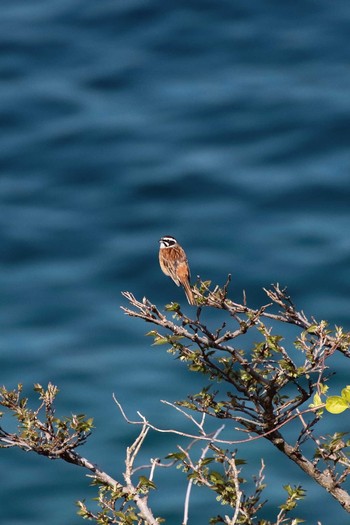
<point>226,124</point>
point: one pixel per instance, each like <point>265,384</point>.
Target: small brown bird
<point>173,262</point>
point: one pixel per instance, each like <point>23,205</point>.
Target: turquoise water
<point>226,124</point>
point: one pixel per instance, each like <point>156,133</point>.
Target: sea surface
<point>224,123</point>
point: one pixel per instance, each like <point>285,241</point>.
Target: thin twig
<point>131,454</point>
<point>190,483</point>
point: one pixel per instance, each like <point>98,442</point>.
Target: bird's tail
<point>188,291</point>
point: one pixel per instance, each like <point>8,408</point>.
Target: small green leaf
<point>289,489</point>
<point>240,461</point>
<point>160,341</point>
<point>206,461</point>
<point>312,329</point>
<point>172,307</point>
<point>317,401</point>
<point>152,333</point>
<point>324,388</point>
<point>145,482</point>
<point>216,477</point>
<point>176,455</point>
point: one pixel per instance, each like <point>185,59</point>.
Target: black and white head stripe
<point>167,241</point>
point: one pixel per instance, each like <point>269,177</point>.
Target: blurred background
<point>225,124</point>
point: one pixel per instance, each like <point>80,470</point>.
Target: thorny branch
<point>258,378</point>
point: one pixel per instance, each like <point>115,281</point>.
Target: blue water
<point>226,124</point>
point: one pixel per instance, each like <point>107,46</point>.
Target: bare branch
<point>190,483</point>
<point>131,454</point>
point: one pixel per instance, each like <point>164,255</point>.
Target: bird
<point>173,262</point>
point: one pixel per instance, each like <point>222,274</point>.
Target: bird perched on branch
<point>173,262</point>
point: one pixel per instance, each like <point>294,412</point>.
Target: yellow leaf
<point>345,393</point>
<point>317,401</point>
<point>336,405</point>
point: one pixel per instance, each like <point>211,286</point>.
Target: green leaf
<point>336,405</point>
<point>206,461</point>
<point>317,401</point>
<point>240,461</point>
<point>176,455</point>
<point>160,341</point>
<point>312,329</point>
<point>204,285</point>
<point>172,307</point>
<point>289,489</point>
<point>145,482</point>
<point>216,477</point>
<point>273,342</point>
<point>324,388</point>
<point>152,333</point>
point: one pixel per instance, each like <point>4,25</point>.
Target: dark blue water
<point>226,124</point>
